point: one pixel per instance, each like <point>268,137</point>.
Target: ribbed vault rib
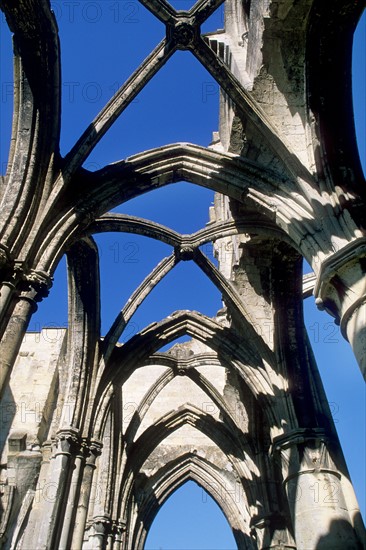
<point>236,451</point>
<point>109,114</point>
<point>161,9</point>
<point>36,119</point>
<point>149,283</point>
<point>131,224</point>
<point>135,301</point>
<point>163,380</point>
<point>219,433</point>
<point>177,324</point>
<point>145,404</point>
<point>233,351</point>
<point>202,10</point>
<point>166,360</point>
<point>115,222</point>
<point>251,110</point>
<point>223,172</point>
<point>234,300</point>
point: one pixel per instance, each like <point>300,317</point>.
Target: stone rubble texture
<point>95,435</point>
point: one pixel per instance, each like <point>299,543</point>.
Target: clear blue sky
<point>102,43</point>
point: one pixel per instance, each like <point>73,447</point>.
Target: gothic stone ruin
<point>81,473</point>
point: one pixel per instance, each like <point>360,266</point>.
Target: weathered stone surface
<point>96,435</point>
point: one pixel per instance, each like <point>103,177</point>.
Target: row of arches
<point>231,407</point>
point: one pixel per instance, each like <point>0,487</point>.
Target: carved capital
<point>38,282</point>
<point>102,524</point>
<point>67,442</point>
<point>92,449</point>
<point>119,527</point>
<point>296,437</point>
<point>31,284</point>
<point>340,285</point>
<point>303,451</point>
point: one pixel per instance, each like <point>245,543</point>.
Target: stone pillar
<point>54,490</point>
<point>314,491</point>
<point>341,290</point>
<point>6,293</point>
<point>74,488</point>
<point>91,453</point>
<point>32,289</point>
<point>353,328</point>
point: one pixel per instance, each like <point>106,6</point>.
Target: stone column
<point>75,486</point>
<point>54,490</point>
<point>6,293</point>
<point>91,453</point>
<point>32,288</point>
<point>341,290</point>
<point>314,491</point>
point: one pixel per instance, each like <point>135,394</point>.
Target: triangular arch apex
<point>179,323</point>
<point>231,349</point>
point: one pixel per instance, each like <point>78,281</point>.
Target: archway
<point>202,525</point>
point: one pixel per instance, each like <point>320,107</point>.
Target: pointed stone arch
<point>171,477</point>
<point>176,369</point>
<point>241,456</point>
<point>241,356</point>
<point>51,203</point>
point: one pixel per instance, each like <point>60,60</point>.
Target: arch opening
<point>167,110</point>
<point>94,36</point>
<point>202,526</point>
<point>183,207</point>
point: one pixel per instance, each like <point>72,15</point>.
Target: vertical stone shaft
<point>84,496</point>
<point>74,489</point>
<point>315,494</point>
<point>59,473</point>
<point>13,336</point>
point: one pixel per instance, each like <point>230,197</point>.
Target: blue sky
<point>102,43</point>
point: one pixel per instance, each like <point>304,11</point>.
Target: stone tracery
<point>278,202</point>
